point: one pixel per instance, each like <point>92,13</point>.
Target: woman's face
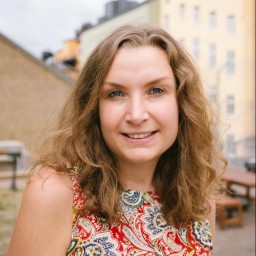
<point>138,106</point>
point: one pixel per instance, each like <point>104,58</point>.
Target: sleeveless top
<point>143,230</point>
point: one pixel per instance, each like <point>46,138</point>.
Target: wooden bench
<point>226,206</point>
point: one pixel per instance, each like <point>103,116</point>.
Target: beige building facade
<point>220,36</point>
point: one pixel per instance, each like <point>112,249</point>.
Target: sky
<point>43,25</point>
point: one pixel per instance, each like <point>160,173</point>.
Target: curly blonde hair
<point>187,173</point>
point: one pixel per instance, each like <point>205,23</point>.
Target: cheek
<point>110,111</point>
<point>108,117</point>
<point>169,117</point>
<point>167,111</point>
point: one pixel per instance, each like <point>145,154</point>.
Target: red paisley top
<point>143,231</point>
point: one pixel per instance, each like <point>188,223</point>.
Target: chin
<point>140,159</point>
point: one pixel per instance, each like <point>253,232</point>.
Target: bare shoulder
<point>48,188</point>
<point>48,180</point>
<point>45,215</point>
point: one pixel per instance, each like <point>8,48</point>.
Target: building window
<point>212,20</point>
<point>230,62</point>
<point>196,48</point>
<point>182,12</point>
<point>230,145</point>
<point>212,55</point>
<point>196,14</point>
<point>212,93</point>
<point>230,104</point>
<point>231,26</point>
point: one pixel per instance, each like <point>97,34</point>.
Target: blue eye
<point>156,90</point>
<point>115,94</point>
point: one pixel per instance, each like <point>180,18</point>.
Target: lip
<point>139,137</point>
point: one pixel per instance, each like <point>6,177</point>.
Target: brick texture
<point>30,94</point>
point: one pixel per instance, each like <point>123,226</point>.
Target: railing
<point>10,158</point>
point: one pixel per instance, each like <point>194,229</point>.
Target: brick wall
<point>30,94</point>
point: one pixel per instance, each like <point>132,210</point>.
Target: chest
<point>142,231</point>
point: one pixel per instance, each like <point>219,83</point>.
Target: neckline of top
<point>132,191</point>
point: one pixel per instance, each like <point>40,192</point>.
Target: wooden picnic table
<point>242,178</point>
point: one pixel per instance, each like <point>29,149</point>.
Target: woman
<point>132,167</point>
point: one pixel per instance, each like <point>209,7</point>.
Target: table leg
<point>14,169</point>
<point>248,194</point>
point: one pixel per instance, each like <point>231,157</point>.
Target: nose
<point>136,112</point>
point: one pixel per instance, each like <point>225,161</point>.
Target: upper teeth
<point>139,136</point>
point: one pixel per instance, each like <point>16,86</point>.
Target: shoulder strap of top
<point>78,197</point>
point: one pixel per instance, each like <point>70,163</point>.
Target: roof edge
<point>36,60</point>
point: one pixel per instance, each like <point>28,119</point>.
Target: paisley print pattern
<point>143,230</point>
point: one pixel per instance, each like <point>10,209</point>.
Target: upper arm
<point>44,222</point>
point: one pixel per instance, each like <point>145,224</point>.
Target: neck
<point>137,176</point>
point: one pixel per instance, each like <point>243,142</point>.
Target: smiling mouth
<point>138,135</point>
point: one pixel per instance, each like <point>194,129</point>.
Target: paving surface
<point>236,241</point>
<point>232,241</point>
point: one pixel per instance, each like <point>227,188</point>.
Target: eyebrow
<point>161,79</point>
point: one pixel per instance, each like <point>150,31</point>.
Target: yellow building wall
<point>241,124</point>
<point>70,50</point>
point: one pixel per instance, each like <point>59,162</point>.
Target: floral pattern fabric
<point>143,230</point>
